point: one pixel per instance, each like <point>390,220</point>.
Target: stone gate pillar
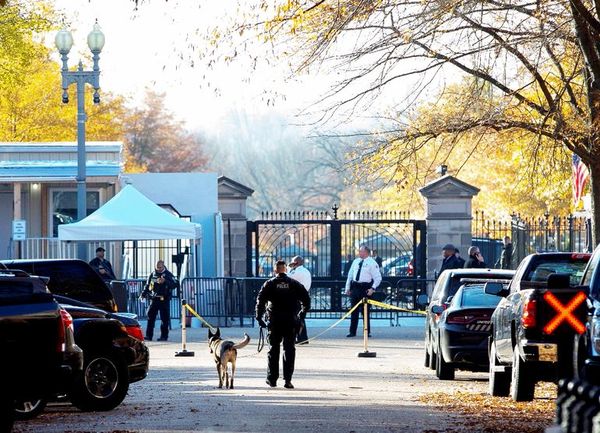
<point>232,205</point>
<point>449,214</point>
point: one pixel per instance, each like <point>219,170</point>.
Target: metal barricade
<point>134,289</point>
<point>222,301</point>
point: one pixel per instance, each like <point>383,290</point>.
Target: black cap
<point>100,249</point>
<point>448,247</point>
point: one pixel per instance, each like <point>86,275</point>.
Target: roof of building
<point>59,146</point>
<point>229,188</point>
<point>34,162</point>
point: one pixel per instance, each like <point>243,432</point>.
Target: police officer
<point>283,295</point>
<point>363,278</point>
<point>158,290</point>
<point>299,273</point>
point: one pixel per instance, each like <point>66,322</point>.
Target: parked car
<point>447,285</point>
<point>463,329</point>
<point>72,278</point>
<point>39,354</point>
<point>531,339</point>
<point>400,266</point>
<point>586,350</point>
<point>115,354</point>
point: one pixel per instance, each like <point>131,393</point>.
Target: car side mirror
<point>496,289</point>
<point>437,309</point>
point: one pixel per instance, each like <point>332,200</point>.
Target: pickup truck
<point>533,326</point>
<point>115,354</point>
<point>39,354</point>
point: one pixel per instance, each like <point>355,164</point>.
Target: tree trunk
<point>594,168</point>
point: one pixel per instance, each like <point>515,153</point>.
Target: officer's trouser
<point>287,335</point>
<point>155,307</point>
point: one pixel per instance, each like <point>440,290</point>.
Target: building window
<point>63,205</point>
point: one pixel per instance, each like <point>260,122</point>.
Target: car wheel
<point>499,384</point>
<point>522,385</point>
<point>7,412</point>
<point>427,357</point>
<point>443,370</point>
<point>29,409</point>
<point>102,385</point>
<point>579,355</point>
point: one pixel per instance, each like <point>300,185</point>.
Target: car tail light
<point>459,319</point>
<point>65,322</point>
<point>462,318</point>
<point>135,332</point>
<point>528,320</point>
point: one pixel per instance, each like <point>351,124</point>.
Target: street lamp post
<point>64,42</point>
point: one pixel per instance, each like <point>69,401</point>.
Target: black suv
<point>447,285</point>
<point>115,354</point>
<point>72,278</point>
<point>586,349</point>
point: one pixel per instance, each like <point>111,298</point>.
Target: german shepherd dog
<point>224,352</point>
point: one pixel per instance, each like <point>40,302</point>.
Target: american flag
<point>580,177</point>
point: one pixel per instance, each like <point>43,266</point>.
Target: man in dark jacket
<point>449,259</point>
<point>475,259</point>
<point>507,252</point>
<point>157,290</point>
<point>103,266</point>
<point>282,294</point>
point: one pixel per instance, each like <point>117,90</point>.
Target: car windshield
<point>541,270</point>
<point>455,282</point>
<point>474,296</point>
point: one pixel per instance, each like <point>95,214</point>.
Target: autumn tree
<point>535,66</point>
<point>30,84</point>
<point>156,141</point>
<point>287,170</point>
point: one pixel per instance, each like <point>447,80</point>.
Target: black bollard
<point>572,389</point>
<point>592,409</point>
<point>563,393</point>
<point>583,394</point>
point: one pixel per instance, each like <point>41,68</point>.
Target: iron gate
<point>329,244</point>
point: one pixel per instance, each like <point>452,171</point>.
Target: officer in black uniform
<point>158,290</point>
<point>283,295</point>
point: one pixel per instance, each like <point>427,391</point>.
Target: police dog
<point>224,352</point>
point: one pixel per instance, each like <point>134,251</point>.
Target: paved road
<point>335,391</point>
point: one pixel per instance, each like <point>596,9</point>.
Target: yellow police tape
<point>393,307</point>
<point>191,310</point>
<point>358,304</point>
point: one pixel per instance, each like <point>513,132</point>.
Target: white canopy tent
<point>129,216</point>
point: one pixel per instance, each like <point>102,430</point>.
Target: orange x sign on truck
<point>565,312</point>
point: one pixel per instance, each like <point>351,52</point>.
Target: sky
<point>141,51</point>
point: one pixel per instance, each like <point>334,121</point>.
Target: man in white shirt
<point>299,273</point>
<point>363,278</point>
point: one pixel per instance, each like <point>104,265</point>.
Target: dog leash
<point>261,340</point>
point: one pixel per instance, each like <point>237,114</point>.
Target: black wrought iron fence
<point>231,301</point>
<point>529,235</point>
